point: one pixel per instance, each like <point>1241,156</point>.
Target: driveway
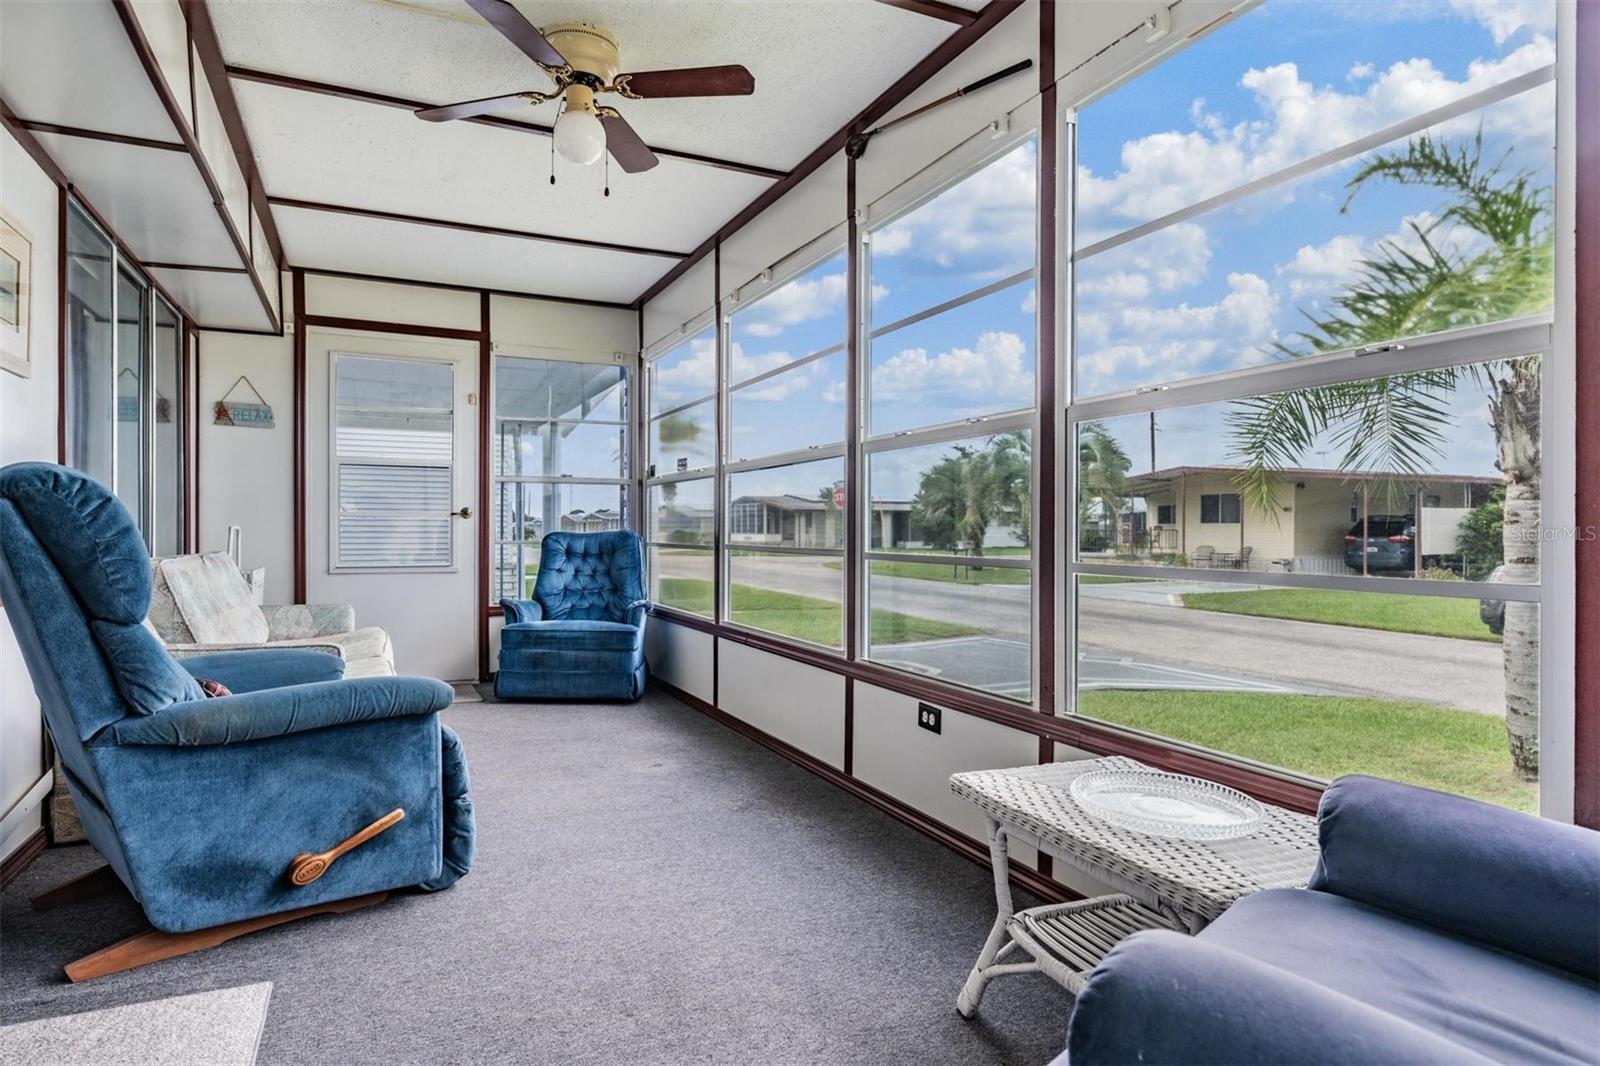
<point>1131,635</point>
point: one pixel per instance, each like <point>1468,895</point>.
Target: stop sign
<point>838,496</point>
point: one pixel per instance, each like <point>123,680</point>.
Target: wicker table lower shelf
<point>1065,941</point>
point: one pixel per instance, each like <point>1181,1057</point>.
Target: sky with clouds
<point>1282,83</point>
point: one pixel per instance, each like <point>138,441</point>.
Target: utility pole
<point>1152,442</point>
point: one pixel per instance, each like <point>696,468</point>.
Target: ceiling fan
<point>581,59</point>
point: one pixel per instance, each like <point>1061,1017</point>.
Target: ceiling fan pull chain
<point>608,174</point>
<point>559,109</point>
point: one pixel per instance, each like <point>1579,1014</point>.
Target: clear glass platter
<point>1167,805</point>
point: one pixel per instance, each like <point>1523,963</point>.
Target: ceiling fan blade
<point>516,28</point>
<point>625,146</point>
<point>471,108</point>
<point>732,80</point>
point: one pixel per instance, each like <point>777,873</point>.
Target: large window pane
<point>133,397</point>
<point>795,506</point>
<point>972,234</point>
<point>1321,682</point>
<point>968,625</point>
<point>681,512</point>
<point>525,511</point>
<point>91,369</point>
<point>976,359</point>
<point>686,373</point>
<point>799,596</point>
<point>1285,82</point>
<point>541,390</point>
<point>799,408</point>
<point>683,578</point>
<point>171,418</point>
<point>1446,227</point>
<point>684,440</point>
<point>802,316</point>
<point>1406,477</point>
<point>561,449</point>
<point>971,497</point>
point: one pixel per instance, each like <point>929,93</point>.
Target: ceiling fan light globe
<point>580,137</point>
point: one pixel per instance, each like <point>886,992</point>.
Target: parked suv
<point>1390,543</point>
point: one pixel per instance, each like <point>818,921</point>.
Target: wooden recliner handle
<point>306,867</point>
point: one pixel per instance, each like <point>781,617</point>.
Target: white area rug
<point>221,1028</point>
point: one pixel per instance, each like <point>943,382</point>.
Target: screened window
<point>680,513</point>
<point>948,464</point>
<point>394,457</point>
<point>560,459</point>
<point>784,479</point>
<point>1333,190</point>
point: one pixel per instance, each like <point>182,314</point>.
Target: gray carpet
<point>650,887</point>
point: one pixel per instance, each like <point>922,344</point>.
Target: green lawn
<point>960,575</point>
<point>802,617</point>
<point>1326,736</point>
<point>1432,615</point>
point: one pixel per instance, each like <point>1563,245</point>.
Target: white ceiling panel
<point>154,199</point>
<point>318,239</point>
<point>108,90</point>
<point>216,300</point>
<point>332,150</point>
<point>816,62</point>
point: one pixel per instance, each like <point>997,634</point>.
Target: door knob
<point>465,512</point>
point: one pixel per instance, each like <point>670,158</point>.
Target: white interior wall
<point>247,474</point>
<point>27,432</point>
<point>682,657</point>
<point>800,705</point>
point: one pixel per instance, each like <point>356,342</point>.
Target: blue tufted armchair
<point>219,814</point>
<point>582,635</point>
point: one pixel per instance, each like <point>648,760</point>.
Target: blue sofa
<point>1435,929</point>
<point>581,637</point>
<point>200,805</point>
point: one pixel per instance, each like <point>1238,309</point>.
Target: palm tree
<point>1012,470</point>
<point>960,498</point>
<point>1396,425</point>
<point>1102,474</point>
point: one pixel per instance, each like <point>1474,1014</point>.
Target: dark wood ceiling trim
<point>345,92</point>
<point>203,35</point>
<point>158,82</point>
<point>470,227</point>
<point>196,268</point>
<point>31,145</point>
<point>935,10</point>
<point>408,329</point>
<point>101,135</point>
<point>52,169</point>
<point>887,101</point>
<point>390,279</point>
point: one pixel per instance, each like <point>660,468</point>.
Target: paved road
<point>1132,633</point>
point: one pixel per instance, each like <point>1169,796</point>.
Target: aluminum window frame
<point>626,481</point>
<point>1546,335</point>
<point>958,166</point>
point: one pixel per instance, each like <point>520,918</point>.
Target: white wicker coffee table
<point>1161,883</point>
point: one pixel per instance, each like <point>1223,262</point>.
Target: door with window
<point>392,492</point>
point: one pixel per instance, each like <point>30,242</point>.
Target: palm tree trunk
<point>1514,410</point>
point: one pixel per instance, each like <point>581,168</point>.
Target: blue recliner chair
<point>582,635</point>
<point>1436,929</point>
<point>216,812</point>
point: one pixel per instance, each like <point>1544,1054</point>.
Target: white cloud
<point>1295,120</point>
<point>1504,19</point>
<point>1359,72</point>
<point>994,371</point>
<point>983,225</point>
<point>801,300</point>
<point>1319,269</point>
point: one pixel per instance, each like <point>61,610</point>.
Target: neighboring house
<point>787,521</point>
<point>1176,510</point>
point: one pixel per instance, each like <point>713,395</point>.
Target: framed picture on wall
<point>16,292</point>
